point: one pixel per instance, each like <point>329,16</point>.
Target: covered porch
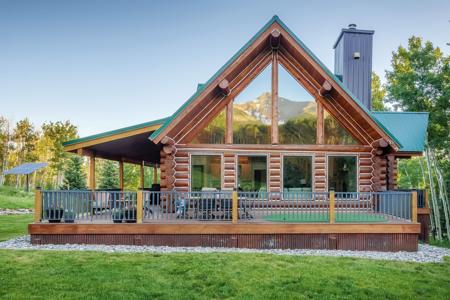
<point>126,145</point>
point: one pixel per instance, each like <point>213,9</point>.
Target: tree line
<point>23,142</point>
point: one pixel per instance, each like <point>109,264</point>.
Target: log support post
<point>274,127</point>
<point>234,211</point>
<point>37,205</point>
<point>121,182</point>
<point>92,172</point>
<point>332,210</point>
<point>320,124</point>
<point>139,206</point>
<point>229,123</point>
<point>414,207</point>
<point>142,176</point>
<point>155,174</point>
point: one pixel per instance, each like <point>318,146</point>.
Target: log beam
<point>224,87</point>
<point>275,37</point>
<point>325,89</point>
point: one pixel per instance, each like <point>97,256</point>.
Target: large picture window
<point>342,173</point>
<point>297,111</point>
<point>252,173</point>
<point>297,174</point>
<point>252,115</point>
<point>214,133</point>
<point>205,172</point>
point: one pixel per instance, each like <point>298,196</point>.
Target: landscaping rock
<point>18,211</point>
<point>425,254</point>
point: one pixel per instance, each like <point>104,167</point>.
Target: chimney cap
<point>351,29</point>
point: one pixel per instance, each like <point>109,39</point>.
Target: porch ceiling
<point>129,144</point>
<point>133,149</point>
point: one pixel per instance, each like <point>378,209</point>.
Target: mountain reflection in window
<point>252,111</point>
<point>297,112</point>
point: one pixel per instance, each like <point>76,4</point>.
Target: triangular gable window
<point>214,132</point>
<point>334,133</point>
<point>252,117</point>
<point>252,111</point>
<point>297,111</point>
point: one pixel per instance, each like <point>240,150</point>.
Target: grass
<point>322,218</point>
<point>445,243</point>
<point>76,275</point>
<point>13,198</point>
<point>14,225</point>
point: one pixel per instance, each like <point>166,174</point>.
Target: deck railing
<point>225,206</point>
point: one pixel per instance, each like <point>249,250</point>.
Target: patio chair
<point>207,203</point>
<point>181,208</point>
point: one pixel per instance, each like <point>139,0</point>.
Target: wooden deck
<point>376,237</point>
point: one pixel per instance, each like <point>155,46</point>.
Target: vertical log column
<point>92,172</point>
<point>274,126</point>
<point>37,205</point>
<point>229,123</point>
<point>121,182</point>
<point>320,127</point>
<point>142,176</point>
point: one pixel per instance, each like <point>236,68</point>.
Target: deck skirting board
<point>374,237</point>
<point>347,241</point>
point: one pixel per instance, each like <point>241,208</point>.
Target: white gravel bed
<point>19,211</point>
<point>425,254</point>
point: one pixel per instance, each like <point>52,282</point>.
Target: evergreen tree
<point>74,176</point>
<point>109,177</point>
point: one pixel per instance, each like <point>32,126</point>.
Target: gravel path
<point>426,253</point>
<point>19,211</point>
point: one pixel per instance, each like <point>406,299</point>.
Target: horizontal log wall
<point>229,173</point>
<point>371,168</point>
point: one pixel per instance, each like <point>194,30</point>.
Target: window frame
<point>206,154</point>
<point>251,155</point>
<point>313,177</point>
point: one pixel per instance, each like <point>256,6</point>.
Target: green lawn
<point>15,225</point>
<point>89,275</point>
<point>323,218</point>
<point>13,198</point>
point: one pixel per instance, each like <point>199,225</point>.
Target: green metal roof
<point>409,127</point>
<point>113,132</point>
<point>201,88</point>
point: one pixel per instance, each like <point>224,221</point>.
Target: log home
<point>274,150</point>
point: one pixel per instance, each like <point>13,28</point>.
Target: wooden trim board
<point>215,228</point>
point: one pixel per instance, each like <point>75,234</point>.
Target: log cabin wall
<point>181,170</point>
<point>319,167</point>
<point>229,173</point>
<point>275,173</point>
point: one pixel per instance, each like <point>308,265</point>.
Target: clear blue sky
<point>109,64</point>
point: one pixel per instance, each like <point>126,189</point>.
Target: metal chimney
<point>353,62</point>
